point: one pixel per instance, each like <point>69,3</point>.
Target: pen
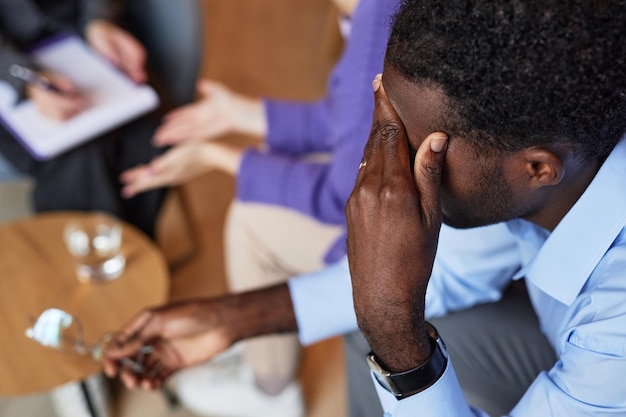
<point>31,77</point>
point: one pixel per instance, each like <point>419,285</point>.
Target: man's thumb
<point>428,169</point>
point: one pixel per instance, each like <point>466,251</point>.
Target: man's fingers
<point>387,149</point>
<point>127,349</point>
<point>393,137</point>
<point>140,327</point>
<point>387,160</point>
<point>110,367</point>
<point>427,171</point>
<point>129,379</point>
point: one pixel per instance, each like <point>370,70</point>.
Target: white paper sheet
<point>114,100</point>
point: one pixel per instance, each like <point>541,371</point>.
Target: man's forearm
<point>259,312</point>
<point>393,324</point>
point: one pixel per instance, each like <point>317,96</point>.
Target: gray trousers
<point>497,350</point>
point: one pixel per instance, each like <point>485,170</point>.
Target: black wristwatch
<point>406,383</point>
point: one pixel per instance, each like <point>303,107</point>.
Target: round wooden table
<point>37,273</point>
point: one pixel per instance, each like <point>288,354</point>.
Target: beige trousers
<point>266,245</point>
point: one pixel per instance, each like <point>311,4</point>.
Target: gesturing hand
<point>394,219</point>
<point>180,164</point>
<point>218,111</point>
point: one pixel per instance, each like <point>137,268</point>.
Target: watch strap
<point>406,383</point>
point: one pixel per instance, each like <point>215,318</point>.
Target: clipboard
<point>114,99</point>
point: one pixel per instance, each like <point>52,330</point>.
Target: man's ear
<point>543,166</point>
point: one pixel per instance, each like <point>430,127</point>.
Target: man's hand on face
<point>394,218</point>
<point>119,47</point>
<point>180,335</point>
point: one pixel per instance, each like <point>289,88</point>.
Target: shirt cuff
<point>443,399</point>
<point>322,302</point>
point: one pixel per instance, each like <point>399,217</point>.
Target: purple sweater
<point>338,124</point>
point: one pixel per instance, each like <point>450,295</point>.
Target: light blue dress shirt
<point>472,266</point>
<point>576,280</point>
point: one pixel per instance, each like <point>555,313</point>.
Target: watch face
<point>412,381</point>
<point>384,382</point>
<point>381,375</point>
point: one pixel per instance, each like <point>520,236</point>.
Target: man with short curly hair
<point>488,112</point>
<point>505,112</point>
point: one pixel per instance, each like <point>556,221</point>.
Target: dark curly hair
<point>519,73</point>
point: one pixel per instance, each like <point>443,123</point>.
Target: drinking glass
<point>95,242</point>
<point>59,330</point>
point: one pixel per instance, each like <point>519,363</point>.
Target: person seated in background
<point>447,143</point>
<point>288,217</point>
<point>84,178</point>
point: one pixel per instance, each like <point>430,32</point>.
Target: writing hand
<point>119,47</point>
<point>394,219</point>
<point>218,111</point>
<point>61,105</point>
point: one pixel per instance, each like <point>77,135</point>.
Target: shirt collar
<point>575,247</point>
